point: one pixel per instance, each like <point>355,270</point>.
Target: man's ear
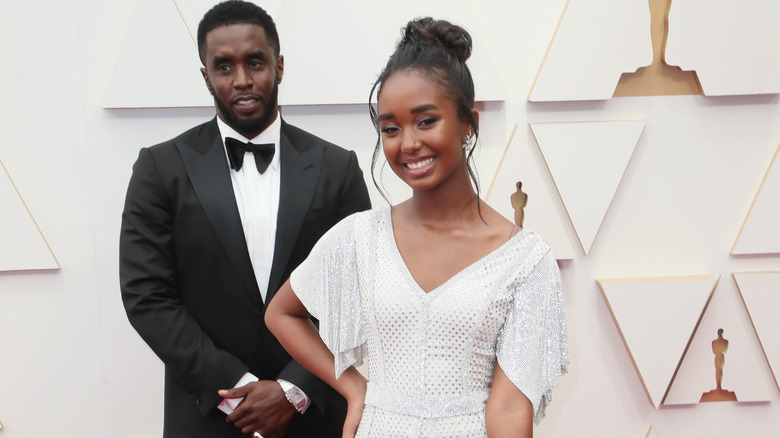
<point>279,68</point>
<point>206,78</point>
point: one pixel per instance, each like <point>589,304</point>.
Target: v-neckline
<point>429,295</point>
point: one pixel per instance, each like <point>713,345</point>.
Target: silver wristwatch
<point>294,395</point>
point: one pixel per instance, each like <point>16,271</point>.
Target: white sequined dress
<point>431,356</point>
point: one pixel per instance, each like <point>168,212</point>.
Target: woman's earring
<point>467,142</point>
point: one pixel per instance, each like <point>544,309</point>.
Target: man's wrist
<point>295,396</point>
<point>228,405</point>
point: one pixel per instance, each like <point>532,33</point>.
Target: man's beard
<point>253,125</point>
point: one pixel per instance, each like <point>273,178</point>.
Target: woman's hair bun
<point>437,33</point>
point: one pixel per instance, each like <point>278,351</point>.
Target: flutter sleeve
<point>327,284</point>
<point>532,345</point>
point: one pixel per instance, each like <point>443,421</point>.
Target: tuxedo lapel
<point>209,174</point>
<point>300,172</point>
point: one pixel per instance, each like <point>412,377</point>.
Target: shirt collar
<point>271,135</point>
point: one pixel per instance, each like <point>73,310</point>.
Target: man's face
<point>243,75</point>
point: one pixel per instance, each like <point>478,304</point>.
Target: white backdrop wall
<point>71,365</point>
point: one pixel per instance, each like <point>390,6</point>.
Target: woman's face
<point>422,135</point>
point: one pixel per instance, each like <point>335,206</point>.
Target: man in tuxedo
<point>211,228</point>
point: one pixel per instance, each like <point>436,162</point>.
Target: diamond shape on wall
<point>744,372</point>
<point>23,245</point>
<point>760,292</point>
<point>583,64</point>
<point>544,212</point>
<point>760,233</point>
<point>158,66</point>
<point>656,318</point>
<point>726,63</point>
<point>587,161</point>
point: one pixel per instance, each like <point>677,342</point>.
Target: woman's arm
<point>509,413</point>
<point>290,322</point>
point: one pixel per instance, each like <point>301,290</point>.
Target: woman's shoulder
<point>531,244</point>
<point>361,224</point>
<point>372,216</point>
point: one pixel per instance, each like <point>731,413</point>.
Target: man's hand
<point>265,409</point>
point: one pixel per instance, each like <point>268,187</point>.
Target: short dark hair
<point>236,12</point>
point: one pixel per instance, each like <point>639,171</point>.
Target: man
<point>210,231</point>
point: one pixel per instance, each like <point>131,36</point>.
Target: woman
<point>458,312</point>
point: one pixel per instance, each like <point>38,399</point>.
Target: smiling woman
<point>422,135</point>
<point>458,312</point>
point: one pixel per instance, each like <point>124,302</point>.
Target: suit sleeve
<point>352,198</point>
<point>148,280</point>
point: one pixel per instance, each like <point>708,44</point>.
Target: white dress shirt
<point>257,197</point>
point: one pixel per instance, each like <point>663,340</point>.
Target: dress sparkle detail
<point>431,355</point>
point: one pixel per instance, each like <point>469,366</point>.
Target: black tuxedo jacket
<point>187,281</point>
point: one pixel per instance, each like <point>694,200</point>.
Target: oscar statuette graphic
<point>658,78</point>
<point>719,348</point>
<point>519,201</point>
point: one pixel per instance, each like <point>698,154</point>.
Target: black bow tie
<point>236,149</point>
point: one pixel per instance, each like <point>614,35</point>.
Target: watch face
<point>296,397</point>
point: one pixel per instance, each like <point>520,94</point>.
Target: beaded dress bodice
<point>431,356</point>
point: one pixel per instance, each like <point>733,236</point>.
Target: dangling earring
<point>466,142</point>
